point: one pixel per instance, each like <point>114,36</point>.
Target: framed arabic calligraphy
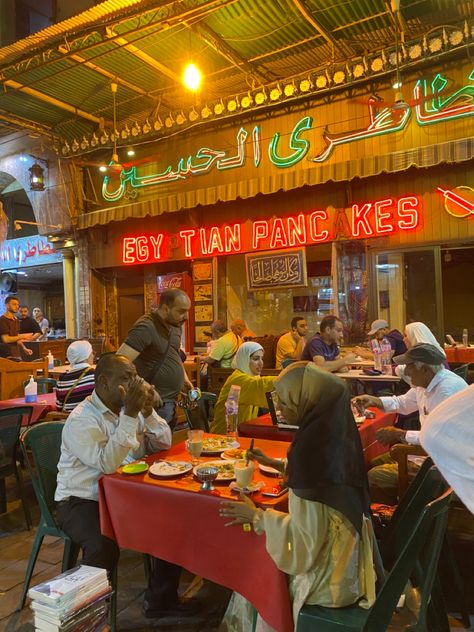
<point>276,269</point>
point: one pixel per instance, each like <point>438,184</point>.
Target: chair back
<point>462,371</point>
<point>43,442</point>
<point>12,375</point>
<point>45,384</point>
<point>419,553</point>
<point>97,346</point>
<point>286,362</point>
<point>11,421</point>
<point>200,415</point>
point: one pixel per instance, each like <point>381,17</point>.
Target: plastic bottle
<point>377,355</point>
<point>232,410</point>
<point>50,361</point>
<point>31,391</point>
<point>386,356</point>
<point>465,338</point>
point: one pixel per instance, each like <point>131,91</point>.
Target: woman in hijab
<point>415,334</point>
<point>324,542</point>
<point>79,382</point>
<point>248,364</point>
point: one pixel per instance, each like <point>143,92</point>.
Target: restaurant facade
<point>361,206</point>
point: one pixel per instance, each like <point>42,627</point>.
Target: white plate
<point>170,469</point>
<point>226,469</point>
<point>253,487</point>
<point>267,469</point>
<point>216,445</point>
<point>229,455</point>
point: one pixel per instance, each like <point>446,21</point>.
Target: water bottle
<point>465,338</point>
<point>232,410</point>
<point>386,356</point>
<point>377,356</point>
<point>50,361</point>
<point>31,391</point>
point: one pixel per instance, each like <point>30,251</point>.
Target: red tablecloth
<point>45,404</point>
<point>173,520</point>
<point>460,354</point>
<point>262,428</point>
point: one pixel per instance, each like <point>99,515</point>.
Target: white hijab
<point>418,333</point>
<point>242,357</point>
<point>78,352</point>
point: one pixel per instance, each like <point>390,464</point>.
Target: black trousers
<point>79,519</point>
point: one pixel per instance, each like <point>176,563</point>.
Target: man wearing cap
<point>431,385</point>
<point>379,330</point>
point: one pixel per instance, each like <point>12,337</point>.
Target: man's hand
<point>350,358</point>
<point>369,400</point>
<point>134,397</point>
<point>240,513</point>
<point>390,435</point>
<point>364,353</point>
<point>26,350</point>
<point>25,336</point>
<point>153,400</point>
<point>187,386</point>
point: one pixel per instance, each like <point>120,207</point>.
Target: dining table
<point>263,428</point>
<point>46,403</point>
<point>460,355</point>
<point>174,520</point>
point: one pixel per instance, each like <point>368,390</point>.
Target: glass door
<point>408,288</point>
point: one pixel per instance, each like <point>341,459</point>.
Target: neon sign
<point>456,204</point>
<point>371,219</point>
<point>430,106</point>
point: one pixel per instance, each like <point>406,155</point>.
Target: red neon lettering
<point>232,238</point>
<point>360,220</point>
<point>380,215</point>
<point>259,233</point>
<point>408,212</point>
<point>215,241</point>
<point>156,241</point>
<point>278,238</point>
<point>142,249</point>
<point>202,239</point>
<point>296,230</point>
<point>128,250</point>
<point>314,233</point>
<point>186,236</point>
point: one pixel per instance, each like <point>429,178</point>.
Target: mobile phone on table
<point>371,372</point>
<point>274,490</point>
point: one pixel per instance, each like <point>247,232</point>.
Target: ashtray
<point>207,475</point>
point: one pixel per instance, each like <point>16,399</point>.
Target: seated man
<point>323,348</point>
<point>291,345</point>
<point>432,384</point>
<point>116,423</point>
<point>379,330</point>
<point>226,346</point>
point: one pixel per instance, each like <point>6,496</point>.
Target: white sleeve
<point>403,404</point>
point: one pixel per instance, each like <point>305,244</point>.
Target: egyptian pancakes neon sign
<point>370,219</point>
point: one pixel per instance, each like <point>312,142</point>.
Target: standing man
<point>379,330</point>
<point>153,344</point>
<point>323,348</point>
<point>10,328</point>
<point>29,325</point>
<point>42,322</point>
<point>291,345</point>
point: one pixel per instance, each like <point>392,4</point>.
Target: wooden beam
<point>335,44</point>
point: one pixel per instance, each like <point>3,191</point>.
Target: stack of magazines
<point>75,601</point>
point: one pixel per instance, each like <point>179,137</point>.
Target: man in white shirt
<point>448,437</point>
<point>116,424</point>
<point>431,385</point>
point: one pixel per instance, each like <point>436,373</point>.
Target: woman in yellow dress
<point>324,542</point>
<point>248,365</point>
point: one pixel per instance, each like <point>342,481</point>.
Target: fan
<point>8,282</point>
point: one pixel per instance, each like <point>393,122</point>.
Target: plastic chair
<point>286,362</point>
<point>11,422</point>
<point>45,384</point>
<point>421,549</point>
<point>462,371</point>
<point>43,442</point>
<point>201,412</point>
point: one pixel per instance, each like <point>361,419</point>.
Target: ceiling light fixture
<point>192,77</point>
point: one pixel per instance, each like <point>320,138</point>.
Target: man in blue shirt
<point>323,348</point>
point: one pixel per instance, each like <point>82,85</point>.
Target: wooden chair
<point>13,374</point>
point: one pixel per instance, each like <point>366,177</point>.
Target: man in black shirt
<point>153,344</point>
<point>10,328</point>
<point>29,325</point>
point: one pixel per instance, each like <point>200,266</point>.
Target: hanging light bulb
<point>192,77</point>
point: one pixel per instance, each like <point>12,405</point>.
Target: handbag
<point>68,394</point>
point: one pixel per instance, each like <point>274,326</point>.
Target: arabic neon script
<point>433,104</point>
<point>458,202</point>
<point>370,219</point>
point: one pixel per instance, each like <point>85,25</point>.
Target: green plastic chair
<point>421,549</point>
<point>45,384</point>
<point>462,371</point>
<point>286,362</point>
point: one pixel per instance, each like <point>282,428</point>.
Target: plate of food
<point>169,469</point>
<point>135,468</point>
<point>226,469</point>
<point>359,419</point>
<point>217,445</point>
<point>234,454</point>
<point>267,469</point>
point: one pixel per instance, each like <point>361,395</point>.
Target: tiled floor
<point>15,546</point>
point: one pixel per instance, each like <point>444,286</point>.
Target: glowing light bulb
<point>192,77</point>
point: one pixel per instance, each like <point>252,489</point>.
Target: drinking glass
<point>243,471</point>
<point>194,444</point>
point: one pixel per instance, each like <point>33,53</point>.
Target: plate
<point>267,469</point>
<point>170,469</point>
<point>217,445</point>
<point>135,468</point>
<point>226,469</point>
<point>252,488</point>
<point>234,454</point>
